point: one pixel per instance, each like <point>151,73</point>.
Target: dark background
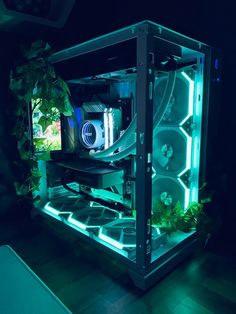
<point>206,21</point>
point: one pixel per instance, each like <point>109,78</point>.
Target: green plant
<point>37,88</point>
<point>172,218</point>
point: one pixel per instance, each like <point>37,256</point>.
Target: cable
<point>121,141</point>
<point>124,153</point>
<point>165,100</point>
<point>157,118</point>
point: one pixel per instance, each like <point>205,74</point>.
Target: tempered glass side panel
<point>176,151</point>
<point>102,208</point>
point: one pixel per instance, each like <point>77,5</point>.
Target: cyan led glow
<point>190,97</point>
<point>51,209</point>
<point>57,215</point>
<point>154,173</point>
<point>77,228</point>
<point>54,212</point>
<point>76,222</point>
<point>198,101</point>
<point>186,194</point>
<point>95,204</point>
<point>113,242</point>
<point>110,246</point>
<point>196,145</point>
<point>80,224</point>
<point>110,124</point>
<point>188,152</point>
<point>194,194</point>
<point>118,244</point>
<point>106,127</point>
<point>87,226</point>
<point>190,113</point>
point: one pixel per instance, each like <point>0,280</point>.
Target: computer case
<point>137,140</point>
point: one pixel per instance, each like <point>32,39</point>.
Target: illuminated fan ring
<point>92,134</point>
<point>169,191</point>
<point>179,100</point>
<point>168,145</point>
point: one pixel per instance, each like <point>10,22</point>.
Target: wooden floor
<point>90,282</point>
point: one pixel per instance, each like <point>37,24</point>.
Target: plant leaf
<point>39,141</point>
<point>63,85</point>
<point>178,209</point>
<point>45,122</point>
<point>68,108</point>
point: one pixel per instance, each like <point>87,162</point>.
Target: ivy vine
<point>36,86</point>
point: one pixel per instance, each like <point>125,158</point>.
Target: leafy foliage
<point>172,218</point>
<point>35,80</point>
